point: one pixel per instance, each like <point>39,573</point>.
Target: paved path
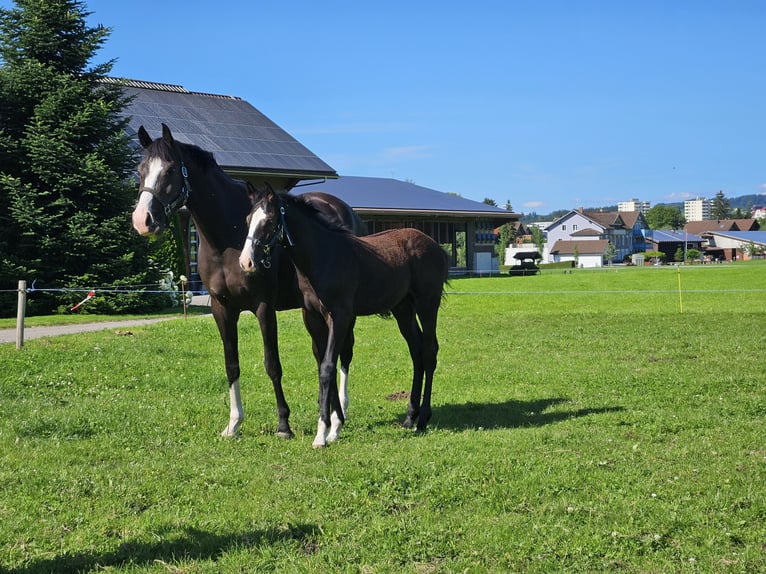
<point>9,335</point>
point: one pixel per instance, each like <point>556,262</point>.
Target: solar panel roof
<point>241,138</point>
<point>377,194</point>
<point>754,236</point>
<point>661,236</point>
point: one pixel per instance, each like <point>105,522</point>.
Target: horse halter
<point>171,207</point>
<point>280,234</point>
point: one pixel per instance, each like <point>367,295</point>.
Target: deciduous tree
<point>664,217</point>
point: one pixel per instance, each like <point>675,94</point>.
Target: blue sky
<point>547,104</point>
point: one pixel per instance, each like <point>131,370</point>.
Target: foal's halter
<point>171,207</point>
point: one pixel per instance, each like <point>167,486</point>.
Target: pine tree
<point>720,206</point>
<point>66,164</point>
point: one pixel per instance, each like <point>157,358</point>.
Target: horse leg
<point>267,319</point>
<point>324,344</point>
<point>337,408</point>
<point>317,328</point>
<point>226,319</point>
<point>427,313</point>
<point>346,355</point>
<point>410,330</point>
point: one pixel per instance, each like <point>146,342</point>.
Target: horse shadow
<point>508,414</point>
<point>192,544</point>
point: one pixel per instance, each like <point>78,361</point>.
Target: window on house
<point>563,228</point>
<point>574,227</point>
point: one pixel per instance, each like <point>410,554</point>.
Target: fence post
<point>20,314</point>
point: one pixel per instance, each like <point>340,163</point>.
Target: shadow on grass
<point>192,544</point>
<point>508,414</point>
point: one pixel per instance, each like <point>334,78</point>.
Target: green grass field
<point>588,422</point>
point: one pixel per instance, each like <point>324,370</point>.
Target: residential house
<point>522,243</point>
<point>585,253</point>
<point>622,229</point>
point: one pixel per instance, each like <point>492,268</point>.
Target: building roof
<point>242,139</point>
<point>747,224</point>
<point>744,236</point>
<point>586,247</point>
<point>587,232</point>
<point>667,236</point>
<point>706,225</point>
<point>630,217</point>
<point>709,225</point>
<point>605,218</point>
<point>383,196</point>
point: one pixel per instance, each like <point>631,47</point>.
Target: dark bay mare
<point>342,276</point>
<point>173,174</point>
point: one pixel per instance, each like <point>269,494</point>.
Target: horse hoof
<point>285,434</point>
<point>408,422</point>
<point>318,445</point>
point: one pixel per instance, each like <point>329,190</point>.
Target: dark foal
<point>341,276</point>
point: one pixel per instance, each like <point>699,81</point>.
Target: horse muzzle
<point>246,263</point>
<point>145,224</point>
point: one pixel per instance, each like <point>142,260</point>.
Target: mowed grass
<point>581,423</point>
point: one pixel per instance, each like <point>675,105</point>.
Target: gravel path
<point>9,335</point>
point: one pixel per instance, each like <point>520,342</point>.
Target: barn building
<point>249,146</point>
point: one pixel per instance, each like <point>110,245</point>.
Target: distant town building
<point>633,205</point>
<point>758,211</point>
<point>697,209</point>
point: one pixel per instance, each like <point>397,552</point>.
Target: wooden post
<point>21,313</point>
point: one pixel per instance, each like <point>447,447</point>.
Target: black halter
<point>281,233</point>
<point>171,207</point>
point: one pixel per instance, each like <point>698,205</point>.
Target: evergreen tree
<point>720,206</point>
<point>66,164</point>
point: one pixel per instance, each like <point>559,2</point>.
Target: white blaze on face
<point>246,257</point>
<point>141,212</point>
<point>153,173</point>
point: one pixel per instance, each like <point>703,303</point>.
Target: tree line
<point>67,167</point>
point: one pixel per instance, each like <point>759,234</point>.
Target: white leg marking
<point>319,441</point>
<point>335,427</point>
<point>236,412</point>
<point>344,391</point>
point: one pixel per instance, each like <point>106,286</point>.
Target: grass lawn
<point>593,421</point>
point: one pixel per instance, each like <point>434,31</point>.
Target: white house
<point>621,229</point>
<point>587,253</point>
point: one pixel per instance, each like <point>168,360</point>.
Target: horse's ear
<point>166,135</point>
<point>143,137</point>
<point>270,193</point>
<point>251,191</point>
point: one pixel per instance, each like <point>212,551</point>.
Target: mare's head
<point>263,229</point>
<point>163,187</point>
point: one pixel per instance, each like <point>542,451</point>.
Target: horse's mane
<point>304,203</point>
<point>192,153</point>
